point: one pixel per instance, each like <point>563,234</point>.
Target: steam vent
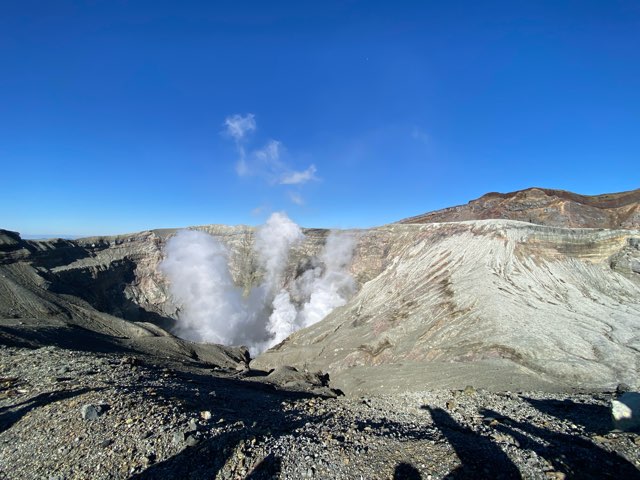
<point>462,337</point>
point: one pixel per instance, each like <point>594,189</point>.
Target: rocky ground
<point>75,415</point>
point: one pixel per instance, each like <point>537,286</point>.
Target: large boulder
<point>626,412</point>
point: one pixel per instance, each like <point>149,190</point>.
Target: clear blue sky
<point>112,113</point>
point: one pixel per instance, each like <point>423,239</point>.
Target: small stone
<point>205,415</point>
<point>106,443</point>
<point>622,388</point>
<point>192,441</point>
<point>469,390</point>
<point>556,475</point>
<point>90,411</point>
<point>179,437</point>
<point>131,361</point>
<point>451,404</point>
<point>193,425</point>
<point>148,459</point>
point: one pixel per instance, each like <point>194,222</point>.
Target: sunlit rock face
<point>541,206</point>
<point>496,303</point>
<point>500,303</point>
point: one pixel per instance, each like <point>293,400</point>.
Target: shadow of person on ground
<point>406,471</point>
<point>248,411</point>
<point>479,456</point>
<point>594,418</point>
<point>267,469</point>
<point>10,415</point>
<point>570,454</point>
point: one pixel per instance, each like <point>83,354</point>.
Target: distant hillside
<point>543,206</point>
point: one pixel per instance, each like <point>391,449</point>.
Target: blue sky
<point>119,116</point>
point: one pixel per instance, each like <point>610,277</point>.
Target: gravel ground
<point>76,415</point>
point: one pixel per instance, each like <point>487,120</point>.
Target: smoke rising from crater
<point>332,285</point>
<point>212,308</point>
<point>273,242</point>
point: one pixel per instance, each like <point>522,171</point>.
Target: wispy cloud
<point>269,155</point>
<point>242,169</point>
<point>296,198</point>
<point>259,210</point>
<point>268,162</point>
<point>239,126</point>
<point>298,178</point>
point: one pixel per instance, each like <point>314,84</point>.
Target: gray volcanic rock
<point>496,303</point>
<point>544,206</point>
<point>256,432</point>
<point>501,304</point>
<point>65,293</point>
<point>442,314</point>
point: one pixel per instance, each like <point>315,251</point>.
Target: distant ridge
<point>545,206</point>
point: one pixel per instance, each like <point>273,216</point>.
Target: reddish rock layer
<point>546,207</point>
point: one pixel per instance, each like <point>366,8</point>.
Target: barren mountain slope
<point>42,304</point>
<point>543,206</point>
<point>501,304</point>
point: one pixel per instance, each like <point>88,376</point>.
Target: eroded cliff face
<point>83,295</point>
<point>543,206</point>
<point>495,303</point>
<point>498,303</point>
<point>120,275</point>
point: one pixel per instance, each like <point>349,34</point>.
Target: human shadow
<point>594,418</point>
<point>572,455</point>
<point>247,412</point>
<point>479,456</point>
<point>268,468</point>
<point>406,471</point>
<point>391,429</point>
<point>10,415</point>
<point>474,451</point>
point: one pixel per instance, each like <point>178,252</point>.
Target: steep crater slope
<point>500,304</point>
<point>494,303</point>
<point>77,294</point>
<point>543,206</point>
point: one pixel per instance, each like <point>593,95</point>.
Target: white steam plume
<point>272,245</point>
<point>213,308</point>
<point>335,285</point>
<point>321,289</point>
<point>282,321</point>
<point>273,241</point>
